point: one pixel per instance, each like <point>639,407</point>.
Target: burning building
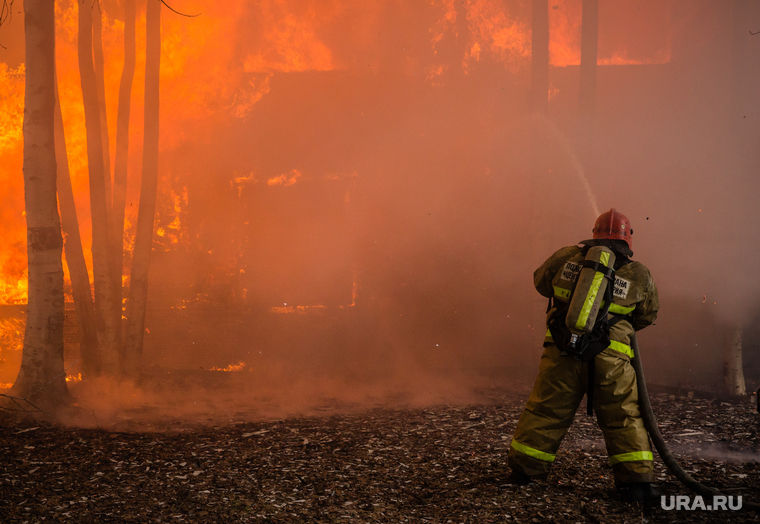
<point>361,191</point>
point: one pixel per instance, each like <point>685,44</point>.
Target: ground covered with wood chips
<point>442,464</point>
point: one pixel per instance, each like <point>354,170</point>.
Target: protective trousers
<point>562,381</point>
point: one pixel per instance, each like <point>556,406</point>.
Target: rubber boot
<point>521,479</point>
<point>639,492</point>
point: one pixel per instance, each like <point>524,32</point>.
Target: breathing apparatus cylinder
<point>590,289</point>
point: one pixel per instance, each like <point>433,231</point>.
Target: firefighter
<point>608,378</point>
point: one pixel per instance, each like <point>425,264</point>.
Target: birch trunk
<point>138,286</point>
<point>122,151</point>
<point>41,377</point>
<point>98,63</point>
<point>104,296</point>
<point>115,237</point>
<point>80,279</point>
<point>733,369</point>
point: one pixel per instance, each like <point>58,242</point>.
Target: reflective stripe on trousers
<point>561,384</point>
<point>631,457</point>
<point>532,452</point>
<point>548,457</point>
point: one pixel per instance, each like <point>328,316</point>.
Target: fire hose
<point>659,443</point>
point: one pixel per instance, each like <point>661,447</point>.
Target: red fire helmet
<point>613,225</point>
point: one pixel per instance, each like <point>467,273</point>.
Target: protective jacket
<point>634,293</point>
<point>563,380</point>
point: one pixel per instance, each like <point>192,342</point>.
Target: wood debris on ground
<point>442,464</point>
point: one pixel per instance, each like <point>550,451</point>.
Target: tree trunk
<point>80,279</point>
<point>744,141</point>
<point>115,236</point>
<point>100,81</point>
<point>539,88</point>
<point>138,285</point>
<point>589,51</point>
<point>104,296</point>
<point>733,370</point>
<point>41,378</point>
<point>122,151</point>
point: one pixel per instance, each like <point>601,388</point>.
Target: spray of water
<point>560,138</point>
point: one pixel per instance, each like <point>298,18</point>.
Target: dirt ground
<point>442,464</point>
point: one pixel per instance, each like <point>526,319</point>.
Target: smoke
<point>355,194</point>
<point>718,452</point>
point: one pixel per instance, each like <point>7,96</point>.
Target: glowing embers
<point>74,378</point>
<point>662,56</point>
<point>240,366</point>
<point>299,309</point>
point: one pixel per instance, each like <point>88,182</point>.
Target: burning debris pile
<point>440,464</point>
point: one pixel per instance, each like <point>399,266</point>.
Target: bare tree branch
<point>170,8</point>
<point>21,409</point>
<point>17,400</point>
<point>6,12</point>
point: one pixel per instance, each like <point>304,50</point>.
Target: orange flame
<point>12,334</point>
<point>11,345</point>
<point>12,106</point>
<point>74,378</point>
<point>492,28</point>
<point>206,78</point>
<point>565,21</point>
<point>174,230</point>
<point>195,68</point>
<point>240,366</point>
<point>14,290</point>
<point>286,179</point>
<point>13,277</point>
